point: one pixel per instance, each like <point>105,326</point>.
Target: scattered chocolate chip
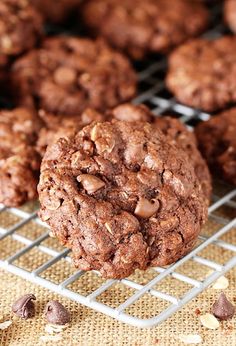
<point>223,309</point>
<point>198,312</point>
<point>24,307</point>
<point>56,313</point>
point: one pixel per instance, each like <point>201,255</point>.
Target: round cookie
<point>56,12</point>
<point>19,161</point>
<point>68,75</point>
<point>230,14</point>
<point>121,197</point>
<point>20,27</point>
<point>217,142</point>
<point>177,134</point>
<point>202,73</point>
<point>140,27</point>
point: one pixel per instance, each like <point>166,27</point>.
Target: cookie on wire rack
<point>122,197</point>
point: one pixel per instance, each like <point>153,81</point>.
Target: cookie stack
<point>122,189</point>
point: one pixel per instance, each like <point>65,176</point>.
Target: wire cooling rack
<point>27,250</point>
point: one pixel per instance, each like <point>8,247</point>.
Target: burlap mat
<point>92,328</point>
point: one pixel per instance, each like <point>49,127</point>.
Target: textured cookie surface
<point>217,142</point>
<point>121,197</point>
<point>56,11</point>
<point>139,27</point>
<point>177,134</point>
<point>70,74</point>
<point>61,126</point>
<point>230,14</point>
<point>20,27</point>
<point>202,73</point>
<point>19,161</point>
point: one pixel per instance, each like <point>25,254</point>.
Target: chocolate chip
<point>222,308</point>
<point>90,183</point>
<point>24,307</point>
<point>146,208</point>
<point>56,313</point>
<point>65,76</point>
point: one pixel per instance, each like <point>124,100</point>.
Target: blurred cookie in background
<point>140,27</point>
<point>217,143</point>
<point>68,75</point>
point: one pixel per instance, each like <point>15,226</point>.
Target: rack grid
<point>222,220</point>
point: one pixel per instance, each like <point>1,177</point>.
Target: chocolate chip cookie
<point>230,14</point>
<point>202,73</point>
<point>140,27</point>
<point>56,12</point>
<point>217,142</point>
<point>20,27</point>
<point>19,161</point>
<point>68,75</point>
<point>122,197</point>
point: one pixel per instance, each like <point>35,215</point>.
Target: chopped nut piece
<point>221,283</point>
<point>209,321</point>
<point>90,183</point>
<point>5,325</point>
<point>190,339</point>
<point>108,228</point>
<point>146,208</point>
<point>222,308</point>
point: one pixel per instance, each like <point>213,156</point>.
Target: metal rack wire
<point>31,235</point>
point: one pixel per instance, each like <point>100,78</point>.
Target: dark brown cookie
<point>202,73</point>
<point>230,14</point>
<point>140,27</point>
<point>68,75</point>
<point>58,11</point>
<point>121,197</point>
<point>217,142</point>
<point>176,132</point>
<point>20,27</point>
<point>19,161</point>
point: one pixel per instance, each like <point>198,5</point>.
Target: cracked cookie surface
<point>217,142</point>
<point>202,73</point>
<point>147,26</point>
<point>121,197</point>
<point>19,161</point>
<point>68,75</point>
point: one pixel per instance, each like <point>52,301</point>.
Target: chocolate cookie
<point>56,12</point>
<point>68,75</point>
<point>176,132</point>
<point>121,197</point>
<point>19,161</point>
<point>20,27</point>
<point>217,142</point>
<point>202,73</point>
<point>230,14</point>
<point>140,27</point>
